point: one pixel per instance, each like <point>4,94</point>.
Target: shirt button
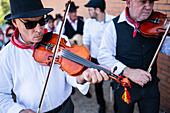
<point>143,45</point>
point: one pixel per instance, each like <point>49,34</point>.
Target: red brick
<point>164,67</point>
<point>163,7</point>
<point>162,87</point>
<point>168,90</point>
<point>166,62</point>
<point>159,60</point>
<point>168,100</point>
<point>164,56</point>
<point>166,73</point>
<point>163,102</point>
<point>168,14</point>
<point>162,97</point>
<point>162,77</point>
<point>159,70</point>
<point>165,84</point>
<point>161,1</point>
<point>155,6</point>
<point>168,80</point>
<point>164,93</point>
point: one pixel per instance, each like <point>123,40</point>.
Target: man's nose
<point>38,28</point>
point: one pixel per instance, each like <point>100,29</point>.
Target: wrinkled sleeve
<point>83,88</point>
<point>86,33</point>
<point>166,46</point>
<point>58,27</point>
<point>107,50</point>
<point>7,105</point>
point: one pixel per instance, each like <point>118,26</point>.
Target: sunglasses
<point>9,35</point>
<point>33,24</point>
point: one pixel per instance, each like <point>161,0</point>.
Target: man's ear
<point>98,10</point>
<point>14,22</point>
<point>128,3</point>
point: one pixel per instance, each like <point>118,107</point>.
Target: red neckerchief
<point>72,21</point>
<point>132,21</point>
<point>17,43</point>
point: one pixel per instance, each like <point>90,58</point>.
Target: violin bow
<point>158,49</point>
<point>55,54</point>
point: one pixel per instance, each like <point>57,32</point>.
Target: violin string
<point>71,56</point>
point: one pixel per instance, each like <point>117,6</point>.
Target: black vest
<point>70,32</point>
<point>135,52</point>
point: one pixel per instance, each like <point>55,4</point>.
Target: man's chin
<point>36,40</point>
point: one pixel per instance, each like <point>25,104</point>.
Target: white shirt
<point>93,32</point>
<point>20,72</point>
<point>107,51</point>
<point>73,24</point>
<point>49,29</point>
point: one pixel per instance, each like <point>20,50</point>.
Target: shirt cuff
<point>118,68</point>
<point>83,88</point>
<point>16,108</point>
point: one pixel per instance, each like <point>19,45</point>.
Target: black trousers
<point>148,99</point>
<point>99,88</point>
<point>67,107</point>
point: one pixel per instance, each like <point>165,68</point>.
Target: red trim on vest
<point>132,21</point>
<point>17,43</point>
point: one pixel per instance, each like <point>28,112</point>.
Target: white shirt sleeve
<point>166,46</point>
<point>83,88</point>
<point>59,26</point>
<point>86,33</point>
<point>7,104</point>
<point>107,50</point>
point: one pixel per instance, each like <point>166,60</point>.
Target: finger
<point>86,75</point>
<point>146,78</point>
<point>93,76</point>
<point>98,76</point>
<point>104,75</point>
<point>149,76</point>
<point>141,83</point>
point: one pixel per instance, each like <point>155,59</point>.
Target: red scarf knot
<point>136,24</point>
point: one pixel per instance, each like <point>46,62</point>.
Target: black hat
<point>58,16</point>
<point>73,7</point>
<point>96,3</point>
<point>27,9</point>
<point>9,22</point>
<point>48,17</point>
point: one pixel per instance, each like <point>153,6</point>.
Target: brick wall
<point>115,7</point>
<point>164,85</point>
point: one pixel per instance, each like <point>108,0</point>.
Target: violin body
<point>154,26</point>
<point>44,56</point>
<point>73,60</point>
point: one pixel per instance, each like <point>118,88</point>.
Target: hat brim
<point>30,14</point>
<point>91,4</point>
<point>73,9</point>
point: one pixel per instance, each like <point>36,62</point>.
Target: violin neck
<point>71,56</point>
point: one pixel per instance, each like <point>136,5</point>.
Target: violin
<point>154,26</point>
<point>73,60</point>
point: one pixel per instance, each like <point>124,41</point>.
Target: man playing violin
<point>92,38</point>
<point>26,77</point>
<point>127,52</point>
